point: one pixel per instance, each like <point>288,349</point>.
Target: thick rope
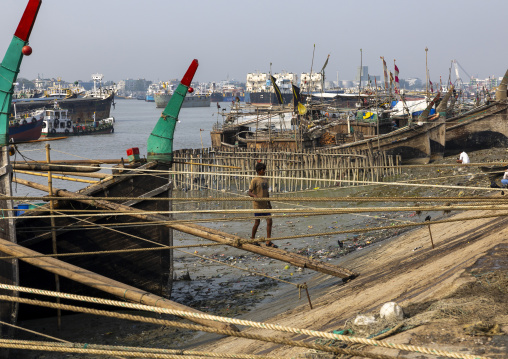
<point>315,210</point>
<point>259,325</point>
<point>197,328</point>
<point>348,181</point>
<point>273,198</point>
<point>133,351</point>
<point>251,241</point>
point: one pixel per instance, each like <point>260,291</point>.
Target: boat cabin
<point>56,120</point>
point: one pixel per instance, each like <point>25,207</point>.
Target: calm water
<point>134,121</point>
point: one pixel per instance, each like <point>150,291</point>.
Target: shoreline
<point>224,291</point>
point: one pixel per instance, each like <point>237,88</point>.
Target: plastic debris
<point>364,320</point>
<point>391,311</point>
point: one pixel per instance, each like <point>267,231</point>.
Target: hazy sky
<point>157,39</point>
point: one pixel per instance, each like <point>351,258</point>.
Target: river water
<point>134,121</point>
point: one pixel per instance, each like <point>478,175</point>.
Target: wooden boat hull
<point>80,131</point>
<point>146,270</point>
<point>485,127</point>
<point>413,144</point>
<point>437,137</point>
<point>25,132</point>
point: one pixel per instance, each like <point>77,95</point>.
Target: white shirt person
<point>463,158</point>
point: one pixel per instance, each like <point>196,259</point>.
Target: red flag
<point>396,77</point>
<point>431,87</point>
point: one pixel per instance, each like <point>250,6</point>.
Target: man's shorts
<point>262,214</point>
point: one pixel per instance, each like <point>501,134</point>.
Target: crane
<point>456,66</point>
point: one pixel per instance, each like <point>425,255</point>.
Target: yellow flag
<point>302,110</point>
<point>368,115</point>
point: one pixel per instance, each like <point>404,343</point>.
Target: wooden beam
<point>54,176</point>
<point>83,174</point>
<point>73,162</point>
<point>102,283</point>
<point>55,168</point>
<point>207,233</point>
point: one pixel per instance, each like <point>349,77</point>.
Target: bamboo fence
<point>233,169</point>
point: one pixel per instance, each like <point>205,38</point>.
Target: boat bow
<point>160,141</point>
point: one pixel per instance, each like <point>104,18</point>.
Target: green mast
<point>11,63</point>
<point>160,142</point>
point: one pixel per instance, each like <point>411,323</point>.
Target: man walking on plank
<point>259,189</point>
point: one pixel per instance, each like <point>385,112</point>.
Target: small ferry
<point>57,123</point>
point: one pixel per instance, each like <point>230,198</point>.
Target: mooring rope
<point>125,350</point>
<point>318,210</point>
<point>259,240</point>
<point>194,327</point>
<point>184,314</point>
<point>304,178</point>
<point>273,198</point>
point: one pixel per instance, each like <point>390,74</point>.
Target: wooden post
<point>430,233</point>
<point>53,231</point>
<point>9,273</point>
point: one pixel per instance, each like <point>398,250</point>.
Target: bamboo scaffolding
<point>207,233</point>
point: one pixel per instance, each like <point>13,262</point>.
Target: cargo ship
<point>216,97</point>
<point>259,88</point>
<point>162,99</point>
<point>98,101</point>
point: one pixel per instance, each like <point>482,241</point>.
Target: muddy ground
<point>453,306</point>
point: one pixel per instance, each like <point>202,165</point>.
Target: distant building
<point>132,85</point>
<point>363,72</point>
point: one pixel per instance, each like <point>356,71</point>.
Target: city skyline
<point>156,40</point>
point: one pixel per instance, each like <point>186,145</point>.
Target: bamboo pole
<point>53,232</point>
<point>69,162</point>
<point>54,167</point>
<point>53,176</point>
<point>207,233</point>
<point>82,174</point>
<point>97,281</point>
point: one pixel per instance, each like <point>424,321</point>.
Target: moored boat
<point>483,126</point>
<point>98,101</point>
<point>26,127</point>
<point>149,272</point>
<point>57,123</point>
